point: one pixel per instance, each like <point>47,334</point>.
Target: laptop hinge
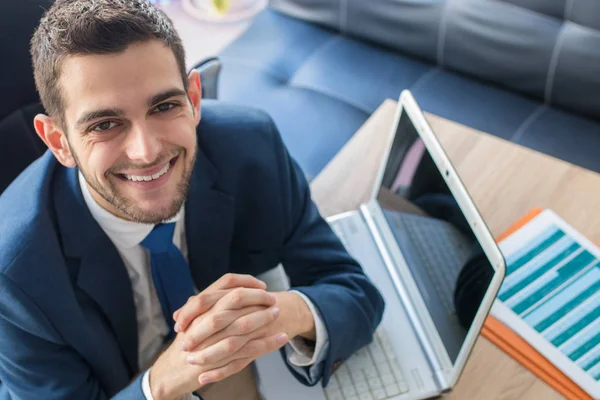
<point>428,348</point>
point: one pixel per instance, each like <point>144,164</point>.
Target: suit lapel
<point>101,274</point>
<point>209,218</point>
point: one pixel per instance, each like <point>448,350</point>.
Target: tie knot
<point>160,239</point>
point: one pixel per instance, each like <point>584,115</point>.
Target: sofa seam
<point>343,16</point>
<point>333,96</point>
<point>527,122</point>
<point>425,77</point>
<point>553,64</point>
<point>442,34</point>
<point>568,8</point>
<point>276,75</point>
<point>315,52</point>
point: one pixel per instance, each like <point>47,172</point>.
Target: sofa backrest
<point>546,49</point>
<point>19,101</point>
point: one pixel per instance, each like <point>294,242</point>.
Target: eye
<point>104,126</point>
<point>164,107</point>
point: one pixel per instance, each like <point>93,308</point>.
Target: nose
<point>142,146</point>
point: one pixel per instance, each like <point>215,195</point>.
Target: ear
<point>195,93</point>
<point>55,139</point>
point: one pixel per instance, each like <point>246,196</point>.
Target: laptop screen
<point>448,265</point>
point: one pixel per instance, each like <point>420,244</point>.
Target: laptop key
<point>361,387</point>
<point>388,379</point>
<point>375,383</point>
<point>392,390</point>
<point>334,394</point>
<point>380,394</point>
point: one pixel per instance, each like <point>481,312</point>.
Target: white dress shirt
<point>152,327</point>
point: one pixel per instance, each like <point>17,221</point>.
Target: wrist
<point>301,317</point>
<point>158,388</point>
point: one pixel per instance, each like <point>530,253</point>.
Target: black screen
<point>442,253</point>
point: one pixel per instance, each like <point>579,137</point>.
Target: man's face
<point>131,129</point>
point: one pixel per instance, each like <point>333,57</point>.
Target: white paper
<point>550,296</point>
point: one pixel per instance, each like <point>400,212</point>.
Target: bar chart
<point>553,284</point>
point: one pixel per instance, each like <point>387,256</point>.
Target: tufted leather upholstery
<point>524,70</point>
<point>19,103</point>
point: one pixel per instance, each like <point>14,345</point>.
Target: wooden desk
<point>505,181</point>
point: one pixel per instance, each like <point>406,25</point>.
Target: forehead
<point>123,80</point>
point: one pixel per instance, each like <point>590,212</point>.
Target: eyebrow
<point>92,115</point>
<point>157,98</point>
<point>116,112</point>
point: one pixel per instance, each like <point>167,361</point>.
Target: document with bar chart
<point>551,296</point>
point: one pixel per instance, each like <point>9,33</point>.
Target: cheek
<point>101,158</point>
<point>180,132</point>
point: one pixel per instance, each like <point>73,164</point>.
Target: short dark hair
<point>78,27</point>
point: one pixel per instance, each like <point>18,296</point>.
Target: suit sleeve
<point>319,266</point>
<point>34,361</point>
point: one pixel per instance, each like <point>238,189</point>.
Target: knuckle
<point>244,326</point>
<point>198,302</point>
<point>215,322</point>
<point>230,345</point>
<point>237,295</point>
<point>221,374</point>
<point>202,358</point>
<point>228,278</point>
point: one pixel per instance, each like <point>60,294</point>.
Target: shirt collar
<point>122,233</point>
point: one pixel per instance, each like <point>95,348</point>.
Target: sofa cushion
<point>529,46</point>
<point>19,144</point>
<point>320,91</point>
<point>480,106</point>
<point>563,135</point>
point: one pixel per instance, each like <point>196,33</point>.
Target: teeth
<point>138,178</point>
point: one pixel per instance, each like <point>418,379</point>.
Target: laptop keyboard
<point>372,373</point>
<point>440,249</point>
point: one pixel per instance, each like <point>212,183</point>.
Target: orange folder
<point>512,344</point>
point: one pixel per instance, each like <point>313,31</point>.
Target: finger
<point>242,297</point>
<point>259,347</point>
<point>236,347</point>
<point>229,281</point>
<point>219,374</point>
<point>196,306</point>
<point>252,322</point>
<point>223,350</point>
<point>205,327</point>
<point>256,348</point>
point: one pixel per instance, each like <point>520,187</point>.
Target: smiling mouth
<point>149,178</point>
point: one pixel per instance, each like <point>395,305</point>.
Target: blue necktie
<point>170,272</point>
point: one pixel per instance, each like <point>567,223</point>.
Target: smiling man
<point>129,251</point>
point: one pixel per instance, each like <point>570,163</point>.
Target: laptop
<point>422,242</point>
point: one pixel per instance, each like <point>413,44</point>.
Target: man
<point>143,225</point>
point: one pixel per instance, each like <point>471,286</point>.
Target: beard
<point>126,207</point>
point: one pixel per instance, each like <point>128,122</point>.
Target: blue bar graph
<point>578,326</point>
<point>534,248</point>
<point>561,276</point>
<point>591,361</point>
<point>553,284</point>
<point>536,273</point>
<point>563,302</point>
<point>536,263</point>
<point>582,344</point>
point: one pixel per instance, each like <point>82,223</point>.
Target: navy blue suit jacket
<point>67,318</point>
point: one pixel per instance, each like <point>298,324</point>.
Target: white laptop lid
<point>431,225</point>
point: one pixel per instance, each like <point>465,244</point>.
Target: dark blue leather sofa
<point>524,70</point>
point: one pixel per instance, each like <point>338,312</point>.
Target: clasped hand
<point>223,329</point>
